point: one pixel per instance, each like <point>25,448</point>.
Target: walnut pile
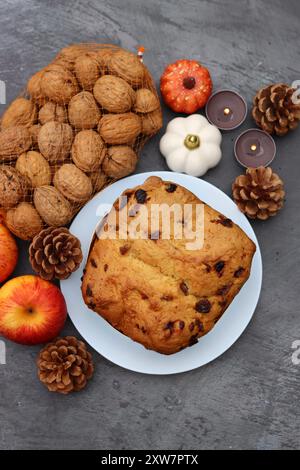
<point>79,126</point>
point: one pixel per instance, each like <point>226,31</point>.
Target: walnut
<point>35,167</point>
<point>12,186</point>
<point>21,112</point>
<point>83,111</point>
<point>126,65</point>
<point>58,84</point>
<point>104,56</point>
<point>73,183</point>
<point>114,94</point>
<point>24,221</point>
<point>120,161</point>
<point>52,206</point>
<point>119,128</point>
<point>55,140</point>
<point>34,88</point>
<point>145,101</point>
<point>34,133</point>
<point>87,70</point>
<point>13,141</point>
<point>152,122</point>
<point>88,150</point>
<point>98,179</point>
<point>53,112</point>
<point>68,55</point>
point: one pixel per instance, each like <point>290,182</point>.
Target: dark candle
<point>254,148</point>
<point>226,109</point>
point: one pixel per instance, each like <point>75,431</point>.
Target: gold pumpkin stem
<point>192,141</point>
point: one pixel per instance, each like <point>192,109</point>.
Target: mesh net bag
<point>79,126</point>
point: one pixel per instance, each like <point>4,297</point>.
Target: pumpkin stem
<point>189,82</point>
<point>192,141</point>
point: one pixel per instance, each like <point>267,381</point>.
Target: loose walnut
<point>145,101</point>
<point>119,128</point>
<point>126,65</point>
<point>35,167</point>
<point>88,150</point>
<point>114,94</point>
<point>34,133</point>
<point>12,186</point>
<point>120,161</point>
<point>87,70</point>
<point>52,206</point>
<point>58,84</point>
<point>14,141</point>
<point>24,221</point>
<point>98,179</point>
<point>152,122</point>
<point>55,140</point>
<point>83,111</point>
<point>21,112</point>
<point>73,183</point>
<point>53,112</point>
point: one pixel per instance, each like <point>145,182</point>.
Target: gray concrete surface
<point>249,397</point>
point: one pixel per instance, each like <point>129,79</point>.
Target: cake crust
<point>158,292</point>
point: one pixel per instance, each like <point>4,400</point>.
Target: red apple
<point>32,310</point>
<point>8,253</point>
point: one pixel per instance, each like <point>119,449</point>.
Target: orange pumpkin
<point>186,86</point>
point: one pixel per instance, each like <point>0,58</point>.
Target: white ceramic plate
<point>123,351</point>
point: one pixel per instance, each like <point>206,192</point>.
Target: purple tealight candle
<point>254,148</point>
<point>226,109</point>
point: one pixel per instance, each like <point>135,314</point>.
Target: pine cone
<point>55,253</point>
<point>259,193</point>
<point>65,365</point>
<point>274,110</point>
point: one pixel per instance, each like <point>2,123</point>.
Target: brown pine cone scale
<point>259,193</point>
<point>55,253</point>
<point>274,110</point>
<point>65,365</point>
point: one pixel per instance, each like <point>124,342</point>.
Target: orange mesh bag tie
<point>79,126</point>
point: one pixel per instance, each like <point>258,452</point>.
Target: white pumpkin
<point>191,145</point>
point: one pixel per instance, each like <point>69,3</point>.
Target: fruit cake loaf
<point>158,291</point>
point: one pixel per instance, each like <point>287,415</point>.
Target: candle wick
<point>227,111</point>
